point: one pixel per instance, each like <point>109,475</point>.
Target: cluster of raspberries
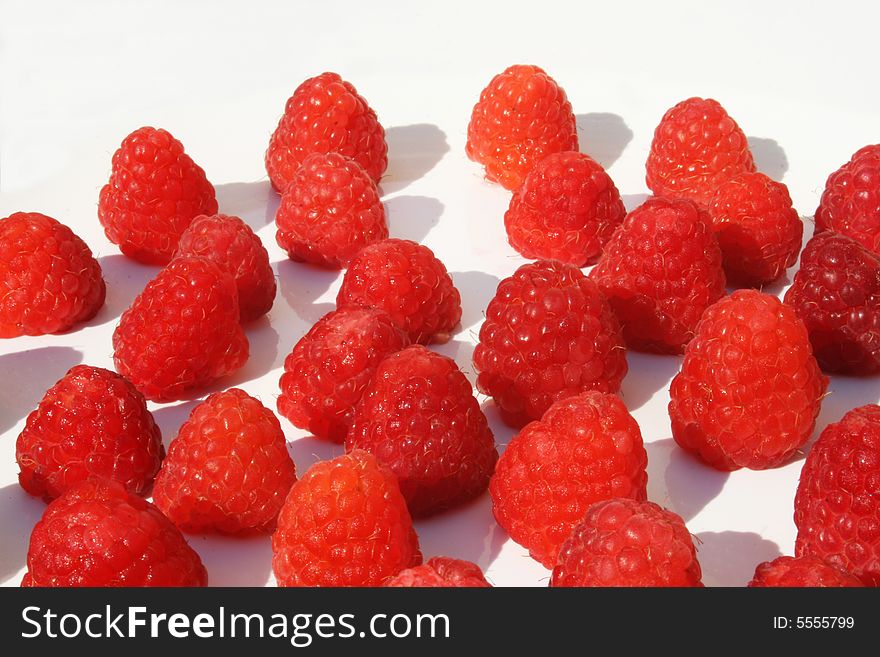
<point>571,485</point>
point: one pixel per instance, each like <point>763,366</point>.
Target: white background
<point>800,78</point>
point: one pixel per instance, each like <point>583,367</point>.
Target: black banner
<point>433,621</point>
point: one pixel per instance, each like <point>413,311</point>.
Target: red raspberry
<point>585,449</point>
<point>326,115</point>
<point>228,470</point>
<point>759,232</point>
<point>837,506</point>
<point>441,572</point>
<point>804,571</point>
<point>326,373</point>
<point>659,272</point>
<point>696,148</point>
<point>234,247</point>
<point>521,117</point>
<point>182,332</point>
<point>154,193</point>
<point>548,334</point>
<point>749,389</point>
<point>850,204</point>
<point>344,523</point>
<point>419,417</point>
<point>623,542</point>
<point>329,211</point>
<point>836,292</point>
<point>408,282</point>
<point>97,534</point>
<point>92,423</point>
<point>49,280</point>
<point>566,209</point>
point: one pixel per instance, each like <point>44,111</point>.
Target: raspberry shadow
<point>26,376</point>
<point>125,279</point>
<point>307,290</point>
<point>647,375</point>
<point>252,556</point>
<point>729,558</point>
<point>412,217</point>
<point>679,481</point>
<point>603,136</point>
<point>19,512</point>
<point>466,532</point>
<point>413,150</point>
<point>844,393</point>
<point>769,156</point>
<point>254,202</point>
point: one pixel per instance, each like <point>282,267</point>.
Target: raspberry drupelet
<point>836,292</point>
<point>154,193</point>
<point>442,572</point>
<point>625,542</point>
<point>328,370</point>
<point>696,147</point>
<point>566,210</point>
<point>409,283</point>
<point>549,334</point>
<point>182,332</point>
<point>749,389</point>
<point>660,272</point>
<point>344,523</point>
<point>92,423</point>
<point>850,203</point>
<point>759,231</point>
<point>234,247</point>
<point>837,508</point>
<point>522,116</point>
<point>228,469</point>
<point>329,211</point>
<point>585,449</point>
<point>98,534</point>
<point>419,417</point>
<point>49,280</point>
<point>325,114</point>
<point>804,571</point>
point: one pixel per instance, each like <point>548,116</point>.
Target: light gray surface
<point>798,77</point>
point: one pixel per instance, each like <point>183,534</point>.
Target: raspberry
<point>749,389</point>
<point>182,332</point>
<point>660,271</point>
<point>326,373</point>
<point>49,280</point>
<point>419,417</point>
<point>325,115</point>
<point>154,193</point>
<point>585,449</point>
<point>759,232</point>
<point>234,247</point>
<point>837,506</point>
<point>329,211</point>
<point>407,281</point>
<point>97,534</point>
<point>548,334</point>
<point>344,523</point>
<point>228,470</point>
<point>624,542</point>
<point>566,209</point>
<point>836,292</point>
<point>850,204</point>
<point>801,572</point>
<point>441,572</point>
<point>92,423</point>
<point>696,148</point>
<point>521,117</point>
